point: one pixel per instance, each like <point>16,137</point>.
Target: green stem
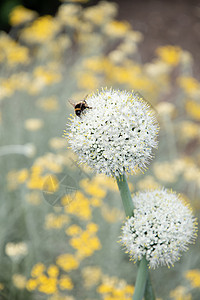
<point>141,280</point>
<point>125,195</point>
<point>149,293</point>
<point>143,287</point>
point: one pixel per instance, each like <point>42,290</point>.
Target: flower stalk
<point>125,195</point>
<point>143,285</point>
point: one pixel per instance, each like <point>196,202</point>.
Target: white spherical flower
<point>117,134</point>
<point>161,228</point>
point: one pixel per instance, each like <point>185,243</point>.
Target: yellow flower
<point>80,207</point>
<point>42,30</point>
<point>180,293</point>
<point>55,221</point>
<point>88,81</point>
<point>53,271</point>
<point>43,76</point>
<point>12,52</point>
<point>33,124</point>
<point>189,130</point>
<point>19,14</point>
<point>117,28</point>
<point>22,175</point>
<point>48,285</point>
<point>51,183</point>
<point>92,188</point>
<point>31,285</point>
<point>190,85</point>
<point>19,281</point>
<point>169,54</point>
<point>38,270</point>
<point>194,277</point>
<point>65,283</point>
<point>67,262</point>
<point>1,286</point>
<point>73,230</point>
<point>193,109</point>
<point>57,143</point>
<point>91,276</point>
<point>86,243</point>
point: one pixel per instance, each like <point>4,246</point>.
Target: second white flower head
<point>118,134</point>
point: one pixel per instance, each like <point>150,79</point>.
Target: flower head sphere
<point>161,228</point>
<point>117,135</point>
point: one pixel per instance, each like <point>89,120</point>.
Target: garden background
<point>59,222</point>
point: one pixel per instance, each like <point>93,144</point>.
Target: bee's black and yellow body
<point>80,107</point>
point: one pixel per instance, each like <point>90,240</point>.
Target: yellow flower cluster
<point>11,52</point>
<point>194,277</point>
<point>85,242</point>
<point>20,14</point>
<point>42,30</point>
<point>56,221</point>
<point>47,280</point>
<point>115,289</point>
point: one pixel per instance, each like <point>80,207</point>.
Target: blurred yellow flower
<point>194,277</point>
<point>57,143</point>
<point>73,230</point>
<point>31,285</point>
<point>188,130</point>
<point>33,124</point>
<point>190,85</point>
<point>193,109</point>
<point>48,285</point>
<point>19,281</point>
<point>55,221</point>
<point>111,214</point>
<point>67,262</point>
<point>87,242</point>
<point>50,183</point>
<point>65,283</point>
<point>38,270</point>
<point>80,206</point>
<point>88,81</point>
<point>22,175</point>
<point>91,276</point>
<point>114,288</point>
<point>12,52</point>
<point>1,286</point>
<point>43,76</point>
<point>180,293</point>
<point>48,104</point>
<point>117,28</point>
<point>92,188</point>
<point>20,14</point>
<point>169,54</point>
<point>42,30</point>
<point>53,271</point>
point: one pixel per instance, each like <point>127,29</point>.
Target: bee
<point>80,106</point>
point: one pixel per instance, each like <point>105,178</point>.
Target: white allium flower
<point>118,134</point>
<point>161,228</point>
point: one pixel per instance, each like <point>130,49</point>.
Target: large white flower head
<point>117,134</point>
<point>161,228</point>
